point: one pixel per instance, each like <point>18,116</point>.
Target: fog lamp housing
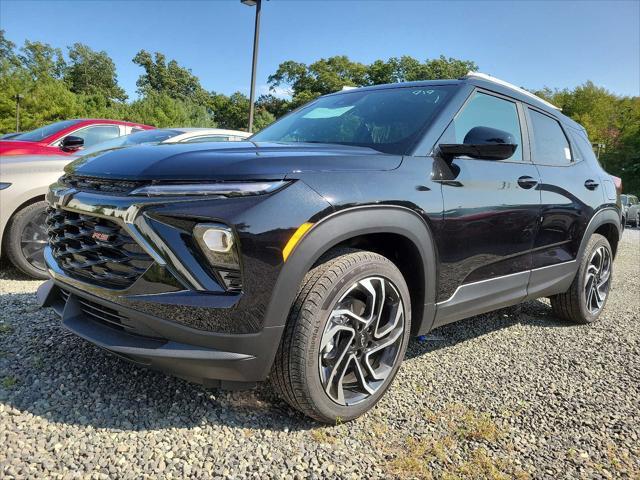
<point>217,242</point>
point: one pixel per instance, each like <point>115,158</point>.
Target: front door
<point>491,213</point>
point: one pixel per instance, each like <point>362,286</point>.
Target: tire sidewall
<point>14,235</point>
<point>325,406</point>
<point>595,242</point>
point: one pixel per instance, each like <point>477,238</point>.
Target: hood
<point>17,147</point>
<point>228,161</point>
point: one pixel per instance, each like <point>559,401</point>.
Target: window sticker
<point>567,153</point>
<point>322,112</point>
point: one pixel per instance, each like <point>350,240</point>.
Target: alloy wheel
<point>598,277</point>
<point>361,340</point>
<point>33,240</point>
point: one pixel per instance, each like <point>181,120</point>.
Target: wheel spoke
<point>361,341</point>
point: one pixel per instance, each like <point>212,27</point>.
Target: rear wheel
<point>26,239</point>
<point>345,338</point>
<point>587,296</point>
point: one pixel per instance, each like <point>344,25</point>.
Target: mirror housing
<point>71,143</point>
<point>483,143</point>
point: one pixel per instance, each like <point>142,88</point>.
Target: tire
<point>309,352</point>
<point>636,224</point>
<point>26,239</point>
<point>581,303</point>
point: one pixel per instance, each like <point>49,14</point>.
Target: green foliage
<point>93,73</point>
<point>162,110</point>
<point>331,74</point>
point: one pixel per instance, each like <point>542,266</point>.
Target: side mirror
<point>71,143</point>
<point>483,143</point>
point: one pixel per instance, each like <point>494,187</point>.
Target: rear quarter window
<point>549,145</point>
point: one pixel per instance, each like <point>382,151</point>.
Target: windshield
<point>389,120</point>
<point>43,132</point>
<point>624,199</point>
<point>146,136</point>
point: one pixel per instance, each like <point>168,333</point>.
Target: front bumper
<point>177,316</point>
<point>224,360</point>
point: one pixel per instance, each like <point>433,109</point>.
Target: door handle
<point>591,184</point>
<point>527,182</point>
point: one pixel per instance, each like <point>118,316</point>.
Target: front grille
<point>100,185</point>
<point>94,249</point>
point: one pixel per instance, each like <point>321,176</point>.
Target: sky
<point>531,44</point>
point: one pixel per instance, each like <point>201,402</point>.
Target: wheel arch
<point>605,222</point>
<point>7,224</point>
<point>374,228</point>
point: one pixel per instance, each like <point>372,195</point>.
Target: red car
<point>67,136</point>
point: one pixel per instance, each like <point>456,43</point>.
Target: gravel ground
<point>511,394</point>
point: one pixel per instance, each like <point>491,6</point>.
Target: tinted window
<point>145,136</point>
<point>486,111</point>
<point>550,145</point>
<point>43,132</point>
<point>389,120</point>
<point>97,134</point>
<point>210,138</point>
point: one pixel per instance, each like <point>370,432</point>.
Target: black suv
<point>311,253</point>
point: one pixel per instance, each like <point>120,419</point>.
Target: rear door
<point>570,189</point>
<point>491,210</point>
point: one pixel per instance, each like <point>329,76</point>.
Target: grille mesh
<point>94,249</point>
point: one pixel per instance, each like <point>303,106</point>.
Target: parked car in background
<point>63,138</point>
<point>25,178</point>
<point>630,210</point>
<point>311,253</point>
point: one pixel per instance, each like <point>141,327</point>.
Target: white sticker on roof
<point>322,112</point>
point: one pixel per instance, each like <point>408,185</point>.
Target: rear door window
<point>549,144</point>
<point>97,134</point>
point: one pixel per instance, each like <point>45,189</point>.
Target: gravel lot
<point>514,393</point>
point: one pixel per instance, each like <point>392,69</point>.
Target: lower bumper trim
<point>205,365</point>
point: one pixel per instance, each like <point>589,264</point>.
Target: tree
<point>162,110</point>
<point>42,61</point>
<point>92,73</point>
<point>167,78</point>
<point>331,74</point>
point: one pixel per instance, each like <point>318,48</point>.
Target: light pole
<point>254,63</point>
<point>18,98</point>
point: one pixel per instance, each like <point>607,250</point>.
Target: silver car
<point>630,210</point>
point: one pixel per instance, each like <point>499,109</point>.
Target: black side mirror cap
<point>71,143</point>
<point>483,143</point>
<point>501,151</point>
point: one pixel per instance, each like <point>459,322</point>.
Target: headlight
<point>224,189</point>
<point>4,185</point>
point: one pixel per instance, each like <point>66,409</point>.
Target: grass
<point>321,435</point>
<point>5,328</point>
<point>9,382</point>
<point>441,456</point>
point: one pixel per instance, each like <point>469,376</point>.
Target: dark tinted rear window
<point>550,145</point>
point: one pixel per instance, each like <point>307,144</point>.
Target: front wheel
<point>26,239</point>
<point>587,296</point>
<point>345,338</point>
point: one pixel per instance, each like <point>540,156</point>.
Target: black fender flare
<point>346,224</point>
<point>608,215</point>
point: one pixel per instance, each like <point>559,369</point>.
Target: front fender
<point>344,225</point>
